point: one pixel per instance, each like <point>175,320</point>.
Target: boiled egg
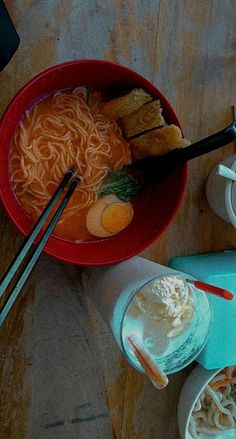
<point>108,216</point>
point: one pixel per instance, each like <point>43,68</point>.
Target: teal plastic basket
<point>218,269</point>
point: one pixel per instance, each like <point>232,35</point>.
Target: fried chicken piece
<point>158,142</point>
<point>145,118</point>
<point>126,104</point>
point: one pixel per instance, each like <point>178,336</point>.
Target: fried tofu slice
<point>145,118</point>
<point>158,142</point>
<point>94,98</point>
<point>123,105</point>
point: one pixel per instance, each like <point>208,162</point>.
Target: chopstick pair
<point>13,267</point>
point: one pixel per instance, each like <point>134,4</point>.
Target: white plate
<point>192,389</point>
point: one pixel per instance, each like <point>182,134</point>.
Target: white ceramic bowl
<point>192,389</point>
<point>221,192</point>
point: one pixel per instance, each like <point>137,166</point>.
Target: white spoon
<point>225,172</point>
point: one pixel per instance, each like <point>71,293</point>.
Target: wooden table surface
<point>62,375</point>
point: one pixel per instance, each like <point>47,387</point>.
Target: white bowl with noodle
<point>197,386</point>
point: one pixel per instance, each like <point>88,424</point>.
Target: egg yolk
<point>116,217</point>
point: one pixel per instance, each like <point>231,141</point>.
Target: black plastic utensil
<point>181,155</point>
<point>9,39</point>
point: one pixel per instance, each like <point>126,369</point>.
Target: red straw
<point>152,369</point>
<point>212,289</point>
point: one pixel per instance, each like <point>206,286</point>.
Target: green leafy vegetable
<point>122,185</point>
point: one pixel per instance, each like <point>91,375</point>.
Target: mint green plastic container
<point>218,269</point>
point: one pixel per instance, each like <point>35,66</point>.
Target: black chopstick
<point>210,143</point>
<point>39,248</point>
<point>13,267</point>
<point>181,155</point>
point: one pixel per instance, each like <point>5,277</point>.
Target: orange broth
<point>72,227</point>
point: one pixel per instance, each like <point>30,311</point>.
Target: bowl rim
<point>209,375</point>
<point>195,293</point>
<point>53,240</point>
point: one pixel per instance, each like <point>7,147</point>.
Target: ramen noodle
<point>215,410</point>
<point>60,132</point>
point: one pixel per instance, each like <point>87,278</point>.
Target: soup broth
<point>60,132</point>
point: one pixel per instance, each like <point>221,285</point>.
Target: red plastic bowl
<point>157,206</point>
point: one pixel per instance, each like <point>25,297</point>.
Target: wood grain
<point>62,375</point>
